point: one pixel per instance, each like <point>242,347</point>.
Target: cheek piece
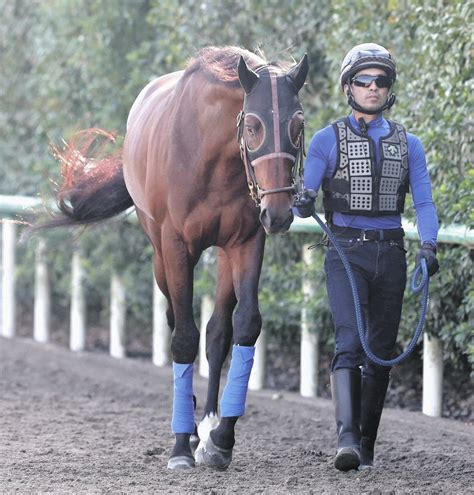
<point>235,392</point>
<point>183,404</point>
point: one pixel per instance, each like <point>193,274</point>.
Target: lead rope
<point>416,287</point>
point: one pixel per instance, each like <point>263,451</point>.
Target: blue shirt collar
<point>379,121</point>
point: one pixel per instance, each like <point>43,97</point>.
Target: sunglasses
<point>365,80</point>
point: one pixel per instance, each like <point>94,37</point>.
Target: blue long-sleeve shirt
<point>321,162</point>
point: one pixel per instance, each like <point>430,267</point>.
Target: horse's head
<point>271,127</point>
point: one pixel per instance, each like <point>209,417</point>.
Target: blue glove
<point>305,203</point>
<point>428,251</point>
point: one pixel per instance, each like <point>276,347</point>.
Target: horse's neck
<point>182,143</point>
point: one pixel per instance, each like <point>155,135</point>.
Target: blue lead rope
<point>416,287</point>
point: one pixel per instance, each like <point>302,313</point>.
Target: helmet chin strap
<point>386,106</point>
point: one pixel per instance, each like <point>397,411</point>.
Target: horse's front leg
<point>246,263</point>
<point>179,267</point>
<point>218,341</point>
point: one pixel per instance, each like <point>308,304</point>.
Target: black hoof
<point>347,458</point>
<point>213,456</point>
<point>181,462</point>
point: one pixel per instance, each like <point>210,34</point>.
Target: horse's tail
<point>93,187</point>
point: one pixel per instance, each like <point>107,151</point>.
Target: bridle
<point>297,171</point>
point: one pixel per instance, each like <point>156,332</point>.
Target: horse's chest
<point>220,226</point>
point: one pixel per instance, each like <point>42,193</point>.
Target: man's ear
<point>346,89</point>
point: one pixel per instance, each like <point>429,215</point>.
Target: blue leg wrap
<point>183,405</point>
<point>235,392</point>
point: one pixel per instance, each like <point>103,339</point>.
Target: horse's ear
<point>247,77</point>
<point>299,72</point>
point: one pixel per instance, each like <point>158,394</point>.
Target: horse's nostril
<point>265,218</point>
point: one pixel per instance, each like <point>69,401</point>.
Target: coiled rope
<point>416,287</point>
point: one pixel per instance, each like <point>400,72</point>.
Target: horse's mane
<point>220,63</point>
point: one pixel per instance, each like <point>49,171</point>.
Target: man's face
<point>372,97</point>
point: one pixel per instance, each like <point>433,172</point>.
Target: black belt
<point>369,235</point>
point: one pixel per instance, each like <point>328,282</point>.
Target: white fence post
<point>309,337</point>
<point>432,375</point>
<point>207,307</point>
<point>42,295</point>
<point>8,278</point>
<point>161,330</point>
<point>77,332</point>
<point>117,316</point>
<point>257,376</point>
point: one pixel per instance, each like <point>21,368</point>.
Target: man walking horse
<point>366,165</point>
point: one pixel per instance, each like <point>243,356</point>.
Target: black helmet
<point>365,56</point>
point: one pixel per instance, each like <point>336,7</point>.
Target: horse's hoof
<point>209,454</point>
<point>193,442</point>
<point>181,462</point>
<point>347,458</point>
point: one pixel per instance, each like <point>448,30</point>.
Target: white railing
<point>432,350</point>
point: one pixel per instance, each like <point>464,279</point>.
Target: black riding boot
<point>374,389</point>
<point>345,388</point>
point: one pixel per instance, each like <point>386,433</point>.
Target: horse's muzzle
<point>275,224</point>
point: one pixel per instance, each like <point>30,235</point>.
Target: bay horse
<point>189,179</point>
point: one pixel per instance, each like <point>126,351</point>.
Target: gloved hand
<point>305,203</point>
<point>428,252</point>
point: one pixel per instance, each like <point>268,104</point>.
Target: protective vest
<point>362,186</point>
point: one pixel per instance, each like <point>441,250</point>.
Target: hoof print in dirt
<point>181,462</point>
<point>156,451</point>
<point>209,454</point>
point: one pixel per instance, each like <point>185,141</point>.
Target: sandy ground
<point>86,423</point>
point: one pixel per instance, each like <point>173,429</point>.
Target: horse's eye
<point>254,132</point>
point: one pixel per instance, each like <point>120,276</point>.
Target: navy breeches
<point>380,271</point>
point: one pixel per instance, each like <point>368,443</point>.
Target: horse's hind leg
<point>246,262</point>
<point>218,340</point>
<point>179,266</point>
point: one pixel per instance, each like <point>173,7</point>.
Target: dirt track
<point>89,423</point>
